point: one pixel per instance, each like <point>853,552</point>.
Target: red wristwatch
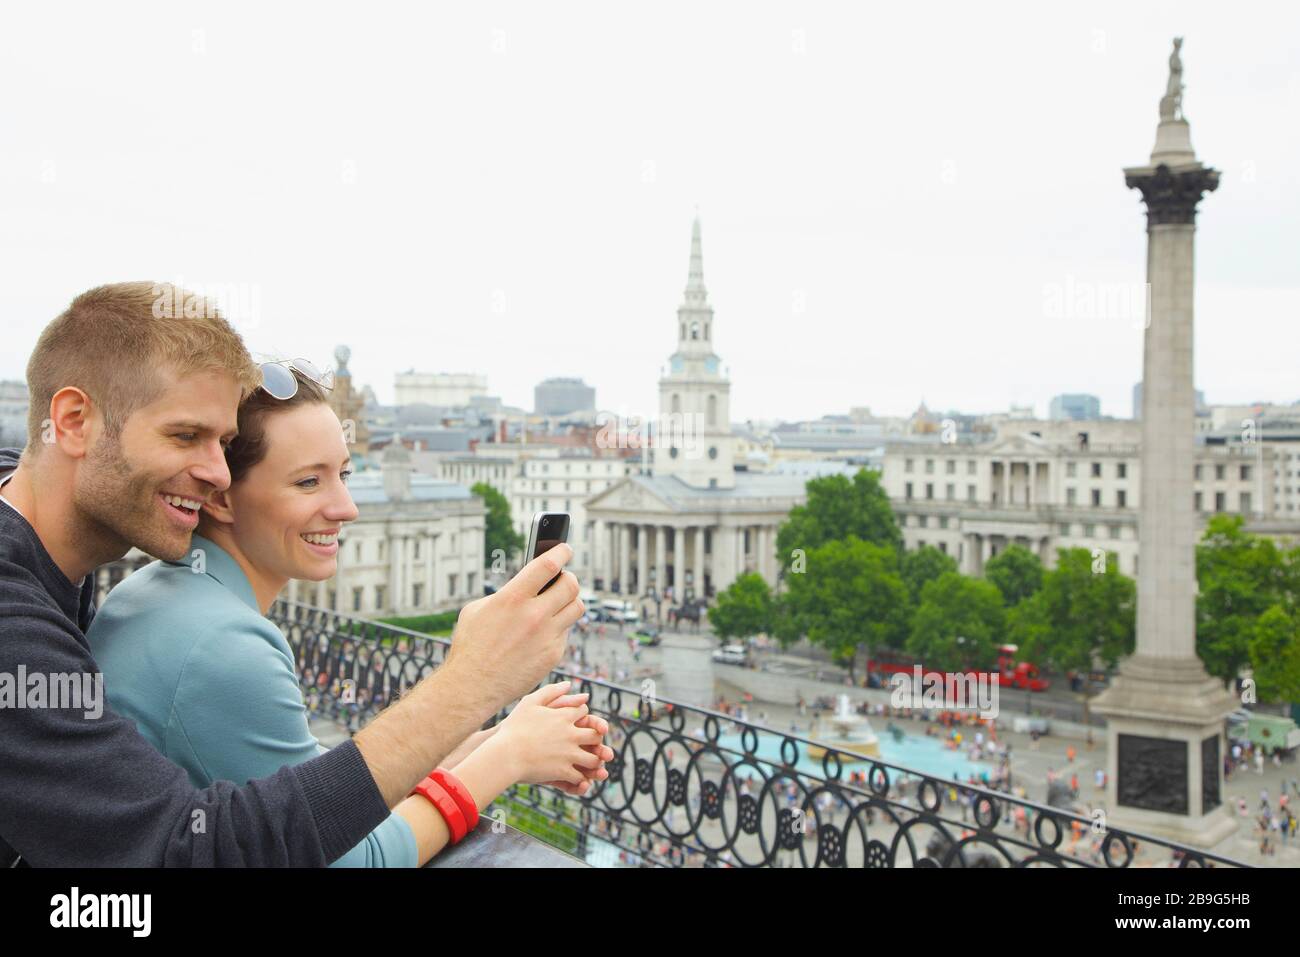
<point>460,794</point>
<point>446,805</point>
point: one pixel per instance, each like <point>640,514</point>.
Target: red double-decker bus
<point>1024,675</point>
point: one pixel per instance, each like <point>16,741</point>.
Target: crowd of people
<point>1244,754</point>
<point>1273,824</point>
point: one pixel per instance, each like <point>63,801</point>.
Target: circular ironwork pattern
<point>644,781</point>
<point>1057,831</point>
<point>615,768</point>
<point>930,796</point>
<point>676,787</point>
<point>1113,838</point>
<point>987,811</point>
<point>878,855</point>
<point>830,845</point>
<point>831,765</point>
<point>789,829</point>
<point>878,779</point>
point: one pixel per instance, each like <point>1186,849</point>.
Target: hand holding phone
<point>548,530</point>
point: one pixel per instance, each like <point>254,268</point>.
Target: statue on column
<point>1171,104</point>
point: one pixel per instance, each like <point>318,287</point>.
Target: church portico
<point>693,549</point>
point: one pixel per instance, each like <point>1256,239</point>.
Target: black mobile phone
<point>548,530</point>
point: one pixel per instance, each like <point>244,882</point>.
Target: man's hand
<point>505,644</point>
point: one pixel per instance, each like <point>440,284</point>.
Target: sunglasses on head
<point>280,382</point>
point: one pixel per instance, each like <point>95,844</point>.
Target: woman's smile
<point>324,544</point>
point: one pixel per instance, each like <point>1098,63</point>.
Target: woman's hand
<point>546,745</point>
<point>466,747</point>
<point>601,750</point>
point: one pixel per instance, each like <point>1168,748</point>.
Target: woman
<point>188,653</point>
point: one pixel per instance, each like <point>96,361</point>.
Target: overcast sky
<point>899,202</point>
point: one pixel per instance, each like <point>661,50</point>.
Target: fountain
<point>852,733</point>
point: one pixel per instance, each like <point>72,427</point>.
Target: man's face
<point>146,486</point>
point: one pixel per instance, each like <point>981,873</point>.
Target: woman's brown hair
<point>249,446</point>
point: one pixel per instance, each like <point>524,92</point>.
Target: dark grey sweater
<point>78,791</point>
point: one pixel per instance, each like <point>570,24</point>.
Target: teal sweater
<point>210,681</point>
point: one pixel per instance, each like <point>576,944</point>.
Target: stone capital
<point>1171,195</point>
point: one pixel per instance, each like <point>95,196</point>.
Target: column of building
<point>679,563</point>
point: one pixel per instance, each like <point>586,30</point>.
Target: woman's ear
<point>219,508</point>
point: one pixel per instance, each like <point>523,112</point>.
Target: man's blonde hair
<point>113,341</point>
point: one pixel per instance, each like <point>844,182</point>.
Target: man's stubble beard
<point>115,507</point>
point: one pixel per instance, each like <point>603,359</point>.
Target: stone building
<point>1062,485</point>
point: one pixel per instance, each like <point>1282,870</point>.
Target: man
<point>134,392</point>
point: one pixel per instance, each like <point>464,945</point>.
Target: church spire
<point>695,315</point>
<point>696,294</point>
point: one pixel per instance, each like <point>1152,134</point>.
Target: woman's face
<point>289,508</point>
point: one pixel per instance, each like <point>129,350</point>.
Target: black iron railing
<point>694,787</point>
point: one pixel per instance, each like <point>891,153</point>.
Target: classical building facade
<point>657,532</point>
<point>1060,488</point>
<point>441,389</point>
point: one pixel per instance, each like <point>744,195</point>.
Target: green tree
<point>499,531</point>
<point>850,596</point>
<point>923,565</point>
<point>1239,577</point>
<point>787,625</point>
<point>1017,572</point>
<point>1275,656</point>
<point>743,608</point>
<point>1085,609</point>
<point>838,508</point>
<point>958,624</point>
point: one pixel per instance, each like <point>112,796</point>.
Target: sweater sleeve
<point>80,787</point>
<point>238,714</point>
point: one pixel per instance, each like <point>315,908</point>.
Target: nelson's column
<point>1165,714</point>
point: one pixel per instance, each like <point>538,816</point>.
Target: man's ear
<point>219,508</point>
<point>69,425</point>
